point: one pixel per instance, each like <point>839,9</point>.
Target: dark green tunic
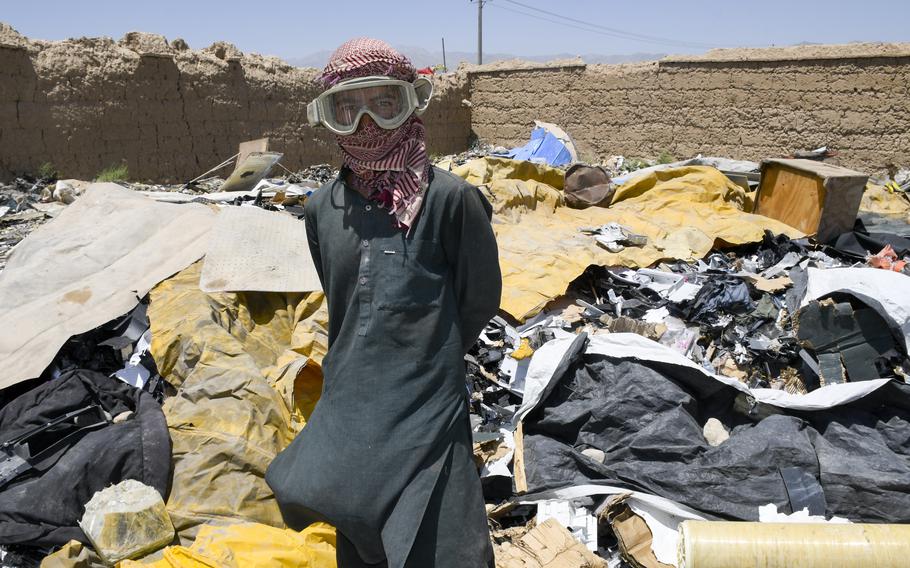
<point>386,454</point>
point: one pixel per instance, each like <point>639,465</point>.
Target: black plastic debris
<point>647,419</point>
<point>850,344</point>
<point>720,295</point>
<point>68,438</point>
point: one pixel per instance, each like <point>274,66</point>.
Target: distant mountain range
<point>425,58</point>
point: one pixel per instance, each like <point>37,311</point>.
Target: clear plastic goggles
<point>389,102</point>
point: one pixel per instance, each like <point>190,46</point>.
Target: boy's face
<point>384,101</point>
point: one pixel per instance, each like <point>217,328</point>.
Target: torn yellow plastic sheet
<point>244,391</point>
<point>250,544</point>
<point>73,554</point>
<point>683,212</point>
<point>485,170</point>
<point>877,199</point>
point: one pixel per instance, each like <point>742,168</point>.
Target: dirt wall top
<point>796,53</point>
<point>723,55</point>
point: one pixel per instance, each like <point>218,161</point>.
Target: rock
<point>126,520</point>
<point>594,454</point>
<point>715,432</point>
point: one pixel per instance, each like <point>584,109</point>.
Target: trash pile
<point>667,358</point>
<point>674,350</point>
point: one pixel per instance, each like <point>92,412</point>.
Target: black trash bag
<point>859,243</point>
<point>719,295</point>
<point>82,452</point>
<point>647,418</point>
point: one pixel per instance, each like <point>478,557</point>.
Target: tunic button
<point>369,207</point>
<point>363,280</point>
<point>365,243</point>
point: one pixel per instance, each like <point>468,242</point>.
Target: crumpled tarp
<point>73,554</point>
<point>683,212</point>
<point>644,406</point>
<point>250,544</point>
<point>245,386</point>
<point>91,264</point>
<point>877,199</point>
<point>484,170</point>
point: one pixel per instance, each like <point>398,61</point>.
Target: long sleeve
<point>470,247</point>
<point>309,216</point>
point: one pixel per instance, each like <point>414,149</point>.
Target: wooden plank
<point>518,461</point>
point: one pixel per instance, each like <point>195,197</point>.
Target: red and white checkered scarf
<point>389,166</point>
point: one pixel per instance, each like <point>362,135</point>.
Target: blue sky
<point>290,29</point>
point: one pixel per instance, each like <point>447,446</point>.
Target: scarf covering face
<point>389,166</point>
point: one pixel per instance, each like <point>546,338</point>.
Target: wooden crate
<point>814,197</point>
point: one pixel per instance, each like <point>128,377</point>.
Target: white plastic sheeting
<point>93,263</point>
<point>252,249</point>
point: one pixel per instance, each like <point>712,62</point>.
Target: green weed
<point>114,173</point>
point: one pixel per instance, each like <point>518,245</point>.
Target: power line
<point>558,23</point>
<point>612,32</point>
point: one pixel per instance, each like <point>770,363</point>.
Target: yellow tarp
<point>484,170</point>
<point>250,544</point>
<point>684,212</point>
<point>877,199</point>
<point>244,391</point>
<point>73,554</point>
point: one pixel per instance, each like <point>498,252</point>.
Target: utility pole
<point>445,68</point>
<point>479,31</point>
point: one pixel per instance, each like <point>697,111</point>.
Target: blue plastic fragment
<point>543,147</point>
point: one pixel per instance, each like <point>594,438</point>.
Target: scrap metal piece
<point>251,171</point>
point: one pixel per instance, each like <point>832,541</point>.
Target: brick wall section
<point>854,100</point>
<point>168,112</point>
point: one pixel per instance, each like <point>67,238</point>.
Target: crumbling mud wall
<point>168,112</point>
<point>747,104</point>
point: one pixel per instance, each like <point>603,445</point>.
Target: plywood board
<point>817,198</point>
<point>518,460</point>
<point>792,197</point>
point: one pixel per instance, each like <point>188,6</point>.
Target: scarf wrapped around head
<point>389,166</point>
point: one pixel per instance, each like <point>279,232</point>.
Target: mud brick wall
<point>747,104</point>
<point>169,113</point>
